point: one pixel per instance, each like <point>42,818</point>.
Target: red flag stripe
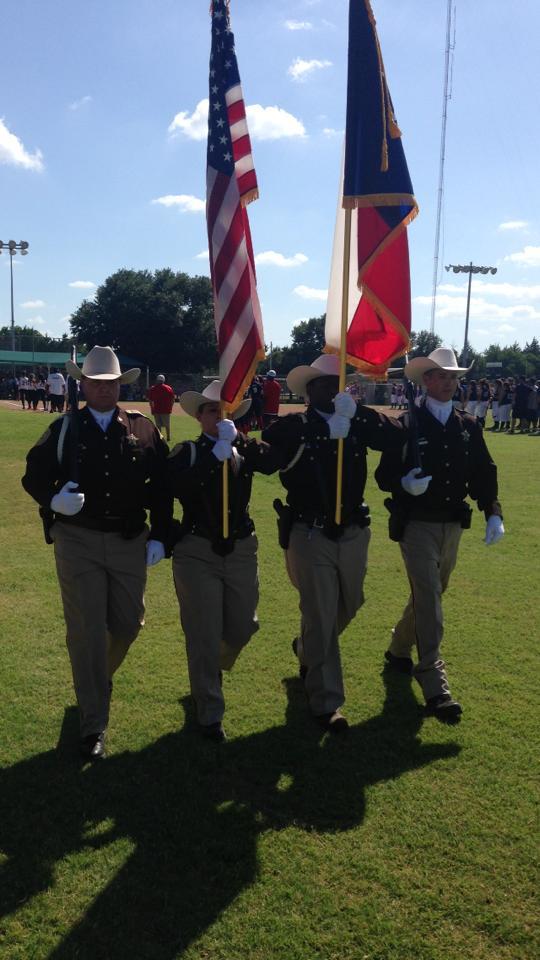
<point>241,149</point>
<point>231,176</point>
<point>230,262</point>
<point>237,303</point>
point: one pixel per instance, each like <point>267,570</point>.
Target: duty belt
<point>102,524</point>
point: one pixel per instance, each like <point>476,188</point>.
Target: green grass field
<point>407,839</point>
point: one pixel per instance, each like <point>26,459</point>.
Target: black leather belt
<point>103,525</point>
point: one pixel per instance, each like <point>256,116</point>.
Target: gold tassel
<point>249,197</point>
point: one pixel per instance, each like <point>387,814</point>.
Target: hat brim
<point>191,402</point>
<point>129,376</point>
<point>415,369</point>
<point>299,377</point>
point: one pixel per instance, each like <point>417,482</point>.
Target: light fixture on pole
<point>11,248</point>
<point>469,268</point>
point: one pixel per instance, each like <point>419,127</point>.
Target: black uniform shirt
<point>455,456</point>
<point>121,473</point>
<point>309,461</point>
<point>195,477</point>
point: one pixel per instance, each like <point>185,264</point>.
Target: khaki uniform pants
<point>102,579</point>
<point>329,576</point>
<point>430,553</point>
<point>163,420</point>
<point>218,599</point>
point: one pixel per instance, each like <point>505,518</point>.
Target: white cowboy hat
<point>191,401</point>
<point>101,363</point>
<point>443,358</point>
<point>327,365</point>
<point>271,374</point>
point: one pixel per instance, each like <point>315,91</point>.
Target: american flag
<point>231,184</point>
<point>378,189</point>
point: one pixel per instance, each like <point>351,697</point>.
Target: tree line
<point>165,320</point>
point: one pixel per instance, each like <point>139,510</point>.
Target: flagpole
<point>225,487</point>
<point>343,347</point>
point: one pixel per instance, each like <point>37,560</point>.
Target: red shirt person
<point>272,396</point>
<point>161,398</point>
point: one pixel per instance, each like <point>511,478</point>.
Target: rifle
<point>413,448</point>
<point>73,401</point>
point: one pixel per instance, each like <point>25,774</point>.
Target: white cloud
<point>273,123</point>
<point>265,123</point>
<point>298,25</point>
<point>510,291</point>
<point>455,307</point>
<point>271,258</point>
<point>13,152</point>
<point>331,132</point>
<point>195,127</point>
<point>528,257</point>
<point>77,104</point>
<point>35,321</point>
<point>512,225</point>
<point>33,304</point>
<point>184,201</point>
<point>203,255</point>
<point>300,69</point>
<point>505,328</point>
<point>310,293</point>
<point>82,284</point>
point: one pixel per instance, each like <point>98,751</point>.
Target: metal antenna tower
<point>447,95</point>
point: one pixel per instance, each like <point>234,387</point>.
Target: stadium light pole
<point>11,248</point>
<point>469,268</point>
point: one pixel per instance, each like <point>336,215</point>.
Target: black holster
<point>397,521</point>
<point>285,521</point>
<point>132,527</point>
<point>465,517</point>
<point>176,531</point>
<point>47,517</point>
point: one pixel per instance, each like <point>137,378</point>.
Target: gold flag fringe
<point>249,197</point>
<point>381,200</point>
<point>388,118</point>
<point>260,355</point>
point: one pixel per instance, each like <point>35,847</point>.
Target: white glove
<point>414,484</point>
<point>344,405</point>
<point>66,501</point>
<point>222,449</point>
<point>155,551</point>
<point>339,426</point>
<point>227,430</point>
<point>494,530</point>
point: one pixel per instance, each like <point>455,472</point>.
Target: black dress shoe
<point>92,747</point>
<point>302,670</point>
<point>444,708</point>
<point>398,664</point>
<point>333,722</point>
<point>214,731</point>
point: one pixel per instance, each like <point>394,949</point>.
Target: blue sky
<point>102,150</point>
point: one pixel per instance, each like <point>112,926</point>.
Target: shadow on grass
<point>193,811</point>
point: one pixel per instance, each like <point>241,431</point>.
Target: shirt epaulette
<point>178,447</point>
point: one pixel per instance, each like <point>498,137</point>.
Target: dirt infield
<point>144,407</point>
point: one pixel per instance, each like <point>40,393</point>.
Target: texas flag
<point>378,189</point>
